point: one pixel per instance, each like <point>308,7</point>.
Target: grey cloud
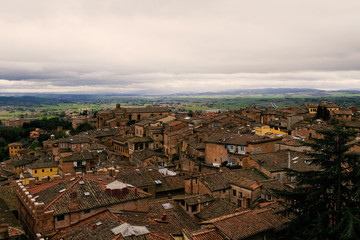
<point>200,45</point>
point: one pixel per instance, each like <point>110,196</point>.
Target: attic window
<point>86,193</point>
<point>81,182</point>
<point>36,197</point>
<point>158,182</point>
<point>98,224</point>
<point>62,190</point>
<point>72,179</point>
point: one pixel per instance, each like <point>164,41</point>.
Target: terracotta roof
<point>75,139</point>
<point>215,209</point>
<point>176,215</point>
<point>233,138</point>
<point>145,154</point>
<point>88,229</point>
<point>79,156</point>
<point>353,124</point>
<point>168,183</point>
<point>342,112</point>
<point>140,139</point>
<point>57,195</point>
<point>150,220</point>
<point>41,164</point>
<point>15,144</point>
<point>195,199</point>
<point>136,177</point>
<point>278,161</point>
<point>206,234</point>
<point>245,183</point>
<point>251,222</point>
<point>220,181</point>
<point>147,110</point>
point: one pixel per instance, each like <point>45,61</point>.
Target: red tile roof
<point>251,222</point>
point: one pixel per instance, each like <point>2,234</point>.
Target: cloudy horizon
<point>171,47</point>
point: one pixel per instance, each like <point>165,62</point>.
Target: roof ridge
<point>103,183</point>
<point>156,235</point>
<point>62,193</point>
<point>133,189</point>
<point>117,217</point>
<point>227,216</point>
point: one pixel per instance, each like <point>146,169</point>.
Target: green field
<point>53,106</point>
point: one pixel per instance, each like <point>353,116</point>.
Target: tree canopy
<point>326,203</point>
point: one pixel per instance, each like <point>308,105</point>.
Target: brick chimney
<point>117,173</point>
<point>32,182</point>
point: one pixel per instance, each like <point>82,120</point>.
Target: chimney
<point>89,173</point>
<point>136,192</point>
<point>117,173</point>
<point>199,202</point>
<point>78,174</point>
<point>163,218</point>
<point>289,160</point>
<point>44,179</point>
<point>32,182</point>
<point>275,160</point>
<point>100,172</point>
<point>56,177</point>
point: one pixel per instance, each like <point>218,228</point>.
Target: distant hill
<point>275,91</point>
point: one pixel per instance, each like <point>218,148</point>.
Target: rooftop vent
<point>62,190</point>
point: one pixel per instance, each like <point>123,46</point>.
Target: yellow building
<point>14,148</point>
<point>312,107</point>
<point>262,130</point>
<point>40,170</point>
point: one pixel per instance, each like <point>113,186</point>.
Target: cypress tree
<point>325,203</point>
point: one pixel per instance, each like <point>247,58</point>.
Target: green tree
<point>322,113</point>
<point>326,202</point>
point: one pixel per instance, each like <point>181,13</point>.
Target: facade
<point>119,116</point>
<point>58,204</point>
<point>14,148</point>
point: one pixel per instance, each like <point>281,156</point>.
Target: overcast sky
<point>178,46</point>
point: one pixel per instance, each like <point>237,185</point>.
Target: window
<point>50,169</point>
<point>240,195</point>
<point>145,190</point>
<point>268,197</point>
<point>60,217</point>
<point>193,208</point>
<point>87,211</point>
<point>35,171</point>
<point>74,146</point>
<point>82,145</point>
<point>42,170</point>
<point>234,193</point>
